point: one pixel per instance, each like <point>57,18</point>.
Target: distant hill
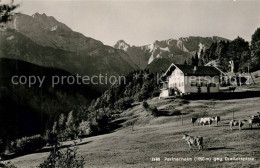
<point>28,110</point>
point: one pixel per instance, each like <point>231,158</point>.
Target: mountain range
<point>42,40</point>
<point>171,50</point>
<point>41,45</point>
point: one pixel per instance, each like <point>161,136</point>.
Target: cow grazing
<point>256,116</point>
<point>205,121</point>
<point>216,119</point>
<point>252,121</point>
<point>193,120</point>
<point>238,123</point>
<point>193,140</point>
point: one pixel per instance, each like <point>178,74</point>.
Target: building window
<point>212,85</point>
<point>203,84</point>
<point>193,84</point>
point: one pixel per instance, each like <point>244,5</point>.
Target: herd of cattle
<point>205,120</point>
<point>254,119</point>
<point>198,141</point>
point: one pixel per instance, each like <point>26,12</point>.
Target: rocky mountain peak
<point>47,31</point>
<point>37,23</point>
<point>175,50</point>
<point>122,45</point>
<point>48,22</point>
<point>37,15</point>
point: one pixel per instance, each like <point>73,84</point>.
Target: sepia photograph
<point>130,83</point>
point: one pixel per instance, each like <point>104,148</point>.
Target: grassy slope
<point>161,137</point>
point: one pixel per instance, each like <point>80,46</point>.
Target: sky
<point>143,22</point>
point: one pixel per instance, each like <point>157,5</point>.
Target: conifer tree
<point>196,59</point>
<point>7,12</point>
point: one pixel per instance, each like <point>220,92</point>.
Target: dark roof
<point>188,70</point>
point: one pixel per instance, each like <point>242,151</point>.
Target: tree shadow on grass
<point>254,128</point>
<point>49,148</point>
<point>219,148</point>
<point>223,95</point>
<point>171,113</point>
<point>45,149</point>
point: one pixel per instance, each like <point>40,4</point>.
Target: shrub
<point>28,144</point>
<point>100,123</point>
<point>175,112</point>
<point>182,102</point>
<point>200,115</point>
<point>93,127</point>
<point>154,111</point>
<point>59,158</point>
<point>139,97</point>
<point>70,131</point>
<point>84,128</point>
<point>65,128</point>
<point>145,105</point>
<point>156,93</point>
<point>7,165</point>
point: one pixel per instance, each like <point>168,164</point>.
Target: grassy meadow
<point>143,137</point>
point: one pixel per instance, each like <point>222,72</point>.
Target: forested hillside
<point>245,56</point>
<point>29,110</point>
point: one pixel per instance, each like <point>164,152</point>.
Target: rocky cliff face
<point>47,31</point>
<point>176,51</point>
<point>43,40</point>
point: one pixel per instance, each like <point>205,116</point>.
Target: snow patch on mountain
<point>165,49</point>
<point>122,45</point>
<point>53,28</point>
<point>183,38</point>
<point>181,46</point>
<point>150,59</point>
<point>168,41</point>
<point>151,47</point>
<point>10,38</point>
